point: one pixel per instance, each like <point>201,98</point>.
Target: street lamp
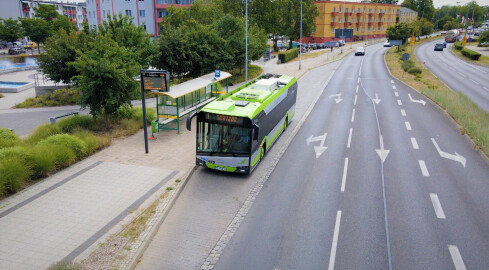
<point>246,50</point>
<point>300,45</point>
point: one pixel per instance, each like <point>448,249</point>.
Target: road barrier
<point>54,118</point>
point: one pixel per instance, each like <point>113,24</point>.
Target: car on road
<point>360,51</point>
<point>387,44</point>
<point>439,47</point>
<point>16,50</point>
<point>443,33</point>
<point>330,44</point>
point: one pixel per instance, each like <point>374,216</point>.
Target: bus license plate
<point>220,168</point>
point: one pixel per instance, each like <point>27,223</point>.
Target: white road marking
<point>332,256</point>
<point>399,102</point>
<point>474,81</point>
<point>349,138</point>
<point>403,112</point>
<point>437,206</point>
<point>355,102</point>
<point>485,88</point>
<point>353,116</point>
<point>408,125</point>
<point>396,94</point>
<point>424,170</point>
<point>357,89</point>
<point>415,143</point>
<point>392,81</point>
<point>343,180</point>
<point>457,157</point>
<point>394,87</point>
<point>456,257</point>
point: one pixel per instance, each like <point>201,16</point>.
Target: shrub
<point>137,113</point>
<point>13,174</point>
<point>473,55</point>
<point>63,155</point>
<point>124,112</point>
<point>43,161</point>
<point>70,141</point>
<point>70,124</point>
<point>58,97</point>
<point>458,45</point>
<point>8,138</point>
<point>415,70</point>
<point>92,142</point>
<point>42,132</point>
<point>288,55</point>
<point>407,65</point>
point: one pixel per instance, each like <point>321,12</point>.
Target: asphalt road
<point>461,76</point>
<point>424,207</point>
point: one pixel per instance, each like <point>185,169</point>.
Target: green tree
<point>421,27</point>
<point>484,37</point>
<point>442,21</point>
<point>400,31</point>
<point>60,53</point>
<point>38,30</point>
<point>309,14</point>
<point>425,8</point>
<point>64,23</point>
<point>126,34</point>
<point>106,76</point>
<point>10,30</point>
<point>46,12</point>
<point>449,25</point>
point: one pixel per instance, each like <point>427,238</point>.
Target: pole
<point>144,116</point>
<point>246,58</point>
<point>300,46</point>
<point>343,30</point>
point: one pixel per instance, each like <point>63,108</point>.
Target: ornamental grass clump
<point>75,144</point>
<point>13,174</point>
<point>70,124</point>
<point>42,132</point>
<point>8,138</point>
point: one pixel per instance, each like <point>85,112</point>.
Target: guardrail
<point>54,118</point>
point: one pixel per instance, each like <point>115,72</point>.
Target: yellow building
<point>407,15</point>
<point>368,20</point>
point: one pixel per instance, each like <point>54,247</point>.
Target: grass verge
<point>239,74</point>
<point>483,60</point>
<point>1,96</point>
<point>60,97</point>
<point>473,121</point>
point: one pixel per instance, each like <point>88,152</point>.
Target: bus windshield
<point>223,139</point>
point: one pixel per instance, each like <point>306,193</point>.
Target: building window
<point>143,25</point>
<point>378,28</point>
<point>128,0</point>
<point>339,20</point>
<point>364,10</point>
<point>346,10</point>
<point>332,30</point>
<point>358,10</point>
<point>340,10</point>
<point>370,11</point>
<point>368,29</point>
<point>104,13</point>
<point>162,13</point>
<point>334,9</point>
<point>334,19</point>
<point>142,13</point>
<point>357,29</point>
<point>129,12</point>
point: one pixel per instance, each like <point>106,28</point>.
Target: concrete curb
<point>149,234</point>
<point>443,110</point>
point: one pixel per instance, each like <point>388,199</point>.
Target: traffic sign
<point>217,73</point>
<point>464,40</point>
<point>396,42</point>
<point>405,56</point>
<point>412,40</point>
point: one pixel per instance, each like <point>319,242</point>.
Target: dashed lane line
<point>343,180</point>
<point>408,125</point>
<point>355,102</point>
<point>394,87</point>
<point>396,94</point>
<point>349,138</point>
<point>437,206</point>
<point>336,231</point>
<point>353,116</point>
<point>414,143</point>
<point>399,102</point>
<point>456,257</point>
<point>424,170</point>
<point>392,81</point>
<point>403,112</point>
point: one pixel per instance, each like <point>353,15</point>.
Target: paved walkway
<point>67,215</point>
<point>481,50</point>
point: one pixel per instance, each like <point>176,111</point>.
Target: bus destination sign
<point>225,119</point>
<point>155,80</point>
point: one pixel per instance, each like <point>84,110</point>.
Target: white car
<point>360,51</point>
<point>387,44</point>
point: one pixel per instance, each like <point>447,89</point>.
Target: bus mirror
<point>189,120</point>
<point>255,132</point>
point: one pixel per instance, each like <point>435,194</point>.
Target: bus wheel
<point>264,150</point>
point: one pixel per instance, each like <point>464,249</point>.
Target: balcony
<point>358,23</point>
<point>347,13</point>
<point>380,22</point>
<point>348,23</point>
<point>381,14</point>
<point>370,14</point>
<point>334,14</point>
<point>333,24</point>
<point>370,23</point>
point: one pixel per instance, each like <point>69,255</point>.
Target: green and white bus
<point>235,131</point>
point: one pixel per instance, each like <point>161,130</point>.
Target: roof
<point>248,102</point>
<point>408,10</point>
<point>193,85</point>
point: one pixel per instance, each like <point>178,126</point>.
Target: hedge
<point>8,138</point>
<point>458,45</point>
<point>471,54</point>
<point>288,55</point>
<point>415,70</point>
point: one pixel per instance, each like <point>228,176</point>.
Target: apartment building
<point>407,15</point>
<point>76,12</point>
<point>144,13</point>
<point>368,20</point>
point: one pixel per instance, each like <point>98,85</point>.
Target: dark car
<point>16,50</point>
<point>439,47</point>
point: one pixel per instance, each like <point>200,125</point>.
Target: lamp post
<point>246,49</point>
<point>300,45</point>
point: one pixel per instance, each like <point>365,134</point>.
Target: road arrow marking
<point>321,148</point>
<point>457,157</point>
<point>337,99</point>
<point>382,152</point>
<point>376,100</point>
<point>416,101</point>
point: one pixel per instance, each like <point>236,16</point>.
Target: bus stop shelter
<point>186,97</point>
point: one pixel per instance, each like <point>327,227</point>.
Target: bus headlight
<point>244,169</point>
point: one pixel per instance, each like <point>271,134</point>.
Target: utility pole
<point>300,46</point>
<point>246,50</point>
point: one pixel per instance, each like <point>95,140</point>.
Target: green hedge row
<point>288,55</point>
<point>471,54</point>
<point>53,147</point>
<point>458,45</point>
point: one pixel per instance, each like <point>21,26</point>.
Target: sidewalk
<point>70,214</point>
